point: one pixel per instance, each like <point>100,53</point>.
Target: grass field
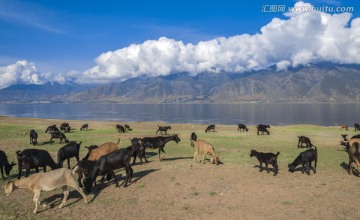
<point>174,172</point>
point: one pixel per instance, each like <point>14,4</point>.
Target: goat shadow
<point>176,158</point>
<point>353,170</point>
<point>56,199</point>
<point>96,190</point>
<point>270,169</point>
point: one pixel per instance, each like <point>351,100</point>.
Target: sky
<point>112,40</point>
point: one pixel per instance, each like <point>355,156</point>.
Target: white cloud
<point>301,39</point>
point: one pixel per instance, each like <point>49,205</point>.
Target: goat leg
<point>36,200</point>
<point>66,194</point>
<point>267,168</point>
<point>2,172</point>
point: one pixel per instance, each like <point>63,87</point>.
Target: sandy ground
<point>178,188</point>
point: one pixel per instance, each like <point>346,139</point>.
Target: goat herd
<point>102,160</point>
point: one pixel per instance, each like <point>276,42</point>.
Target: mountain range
<point>317,83</point>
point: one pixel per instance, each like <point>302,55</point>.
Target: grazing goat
<point>65,127</point>
<point>163,129</point>
<point>242,127</point>
<point>210,127</point>
<point>55,179</point>
<point>96,152</point>
<point>127,127</point>
<point>354,153</point>
<point>344,136</point>
<point>193,137</point>
<point>305,159</point>
<point>107,164</point>
<point>262,128</point>
<point>5,165</point>
<point>67,152</point>
<point>138,149</point>
<point>33,137</point>
<point>51,129</point>
<point>58,134</point>
<point>84,127</point>
<point>159,142</point>
<point>120,129</point>
<point>357,127</point>
<point>267,158</point>
<point>304,140</point>
<point>84,169</point>
<point>344,127</point>
<point>33,159</point>
<point>206,148</point>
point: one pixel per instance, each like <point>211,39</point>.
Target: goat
<point>5,165</point>
<point>58,134</point>
<point>193,137</point>
<point>55,179</point>
<point>242,127</point>
<point>305,159</point>
<point>262,128</point>
<point>127,127</point>
<point>120,129</point>
<point>84,169</point>
<point>354,153</point>
<point>304,140</point>
<point>96,152</point>
<point>107,164</point>
<point>51,128</point>
<point>344,137</point>
<point>159,142</point>
<point>138,149</point>
<point>206,148</point>
<point>357,127</point>
<point>210,127</point>
<point>344,127</point>
<point>163,129</point>
<point>67,152</point>
<point>33,137</point>
<point>33,159</point>
<point>267,158</point>
<point>84,127</point>
<point>65,127</point>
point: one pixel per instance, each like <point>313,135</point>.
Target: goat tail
<point>277,154</point>
<point>80,143</point>
<point>118,142</point>
<point>73,171</point>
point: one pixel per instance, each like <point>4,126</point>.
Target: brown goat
<point>102,150</point>
<point>354,153</point>
<point>206,148</point>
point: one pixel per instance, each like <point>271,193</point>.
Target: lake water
<point>248,113</point>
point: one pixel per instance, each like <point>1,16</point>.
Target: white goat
<point>54,179</point>
<point>206,148</point>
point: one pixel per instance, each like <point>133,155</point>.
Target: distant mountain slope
<point>307,84</point>
<point>321,83</point>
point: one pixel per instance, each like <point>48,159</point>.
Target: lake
<point>247,113</point>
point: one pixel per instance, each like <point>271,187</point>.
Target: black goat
<point>65,127</point>
<point>127,127</point>
<point>163,129</point>
<point>242,127</point>
<point>33,137</point>
<point>84,127</point>
<point>267,158</point>
<point>51,129</point>
<point>344,136</point>
<point>159,142</point>
<point>138,150</point>
<point>67,152</point>
<point>33,159</point>
<point>5,165</point>
<point>304,140</point>
<point>107,164</point>
<point>357,127</point>
<point>210,127</point>
<point>58,134</point>
<point>263,129</point>
<point>84,169</point>
<point>193,137</point>
<point>305,159</point>
<point>120,128</point>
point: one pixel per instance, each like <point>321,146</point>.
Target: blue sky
<point>68,35</point>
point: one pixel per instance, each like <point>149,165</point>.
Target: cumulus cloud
<point>300,39</point>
